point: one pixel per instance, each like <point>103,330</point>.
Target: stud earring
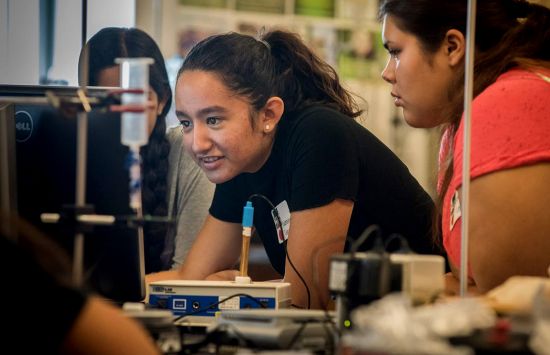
<point>267,127</point>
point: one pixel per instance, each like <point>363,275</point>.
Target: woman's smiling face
<point>221,131</point>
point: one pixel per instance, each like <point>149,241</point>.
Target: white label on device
<point>338,276</point>
<point>233,303</point>
<point>284,219</point>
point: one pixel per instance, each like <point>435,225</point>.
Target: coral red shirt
<point>510,127</point>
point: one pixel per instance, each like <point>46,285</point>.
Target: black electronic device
<point>45,179</point>
<point>359,278</point>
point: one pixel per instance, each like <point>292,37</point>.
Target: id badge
<point>456,210</point>
<point>284,218</point>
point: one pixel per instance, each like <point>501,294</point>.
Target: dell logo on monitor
<point>23,126</point>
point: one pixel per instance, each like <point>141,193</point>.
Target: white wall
<point>19,36</point>
<point>19,41</point>
<point>108,13</point>
<point>68,34</point>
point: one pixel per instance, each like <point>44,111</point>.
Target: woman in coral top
<point>510,145</point>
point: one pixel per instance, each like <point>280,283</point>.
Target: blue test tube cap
<point>248,214</point>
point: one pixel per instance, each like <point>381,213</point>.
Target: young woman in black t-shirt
<point>267,117</point>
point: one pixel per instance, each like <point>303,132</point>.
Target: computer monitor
<point>44,161</point>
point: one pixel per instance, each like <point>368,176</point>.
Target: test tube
<point>134,74</point>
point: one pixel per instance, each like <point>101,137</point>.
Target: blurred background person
<point>173,185</point>
<point>67,321</point>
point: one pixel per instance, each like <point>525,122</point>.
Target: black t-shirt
<point>319,155</point>
<point>37,312</point>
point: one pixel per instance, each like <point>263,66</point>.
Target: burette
<point>134,133</point>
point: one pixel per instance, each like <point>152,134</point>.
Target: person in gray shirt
<point>189,196</point>
<point>173,185</point>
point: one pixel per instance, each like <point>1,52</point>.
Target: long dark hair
<point>509,33</point>
<point>106,45</point>
<point>276,64</point>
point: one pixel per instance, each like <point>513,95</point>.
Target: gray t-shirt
<point>189,197</point>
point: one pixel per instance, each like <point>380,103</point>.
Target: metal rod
<point>84,21</point>
<point>42,100</point>
<point>468,94</point>
<point>81,156</point>
<point>139,214</point>
<point>245,251</point>
<point>80,191</point>
<point>78,259</point>
<point>141,251</point>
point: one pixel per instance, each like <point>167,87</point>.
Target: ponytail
<point>304,79</point>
